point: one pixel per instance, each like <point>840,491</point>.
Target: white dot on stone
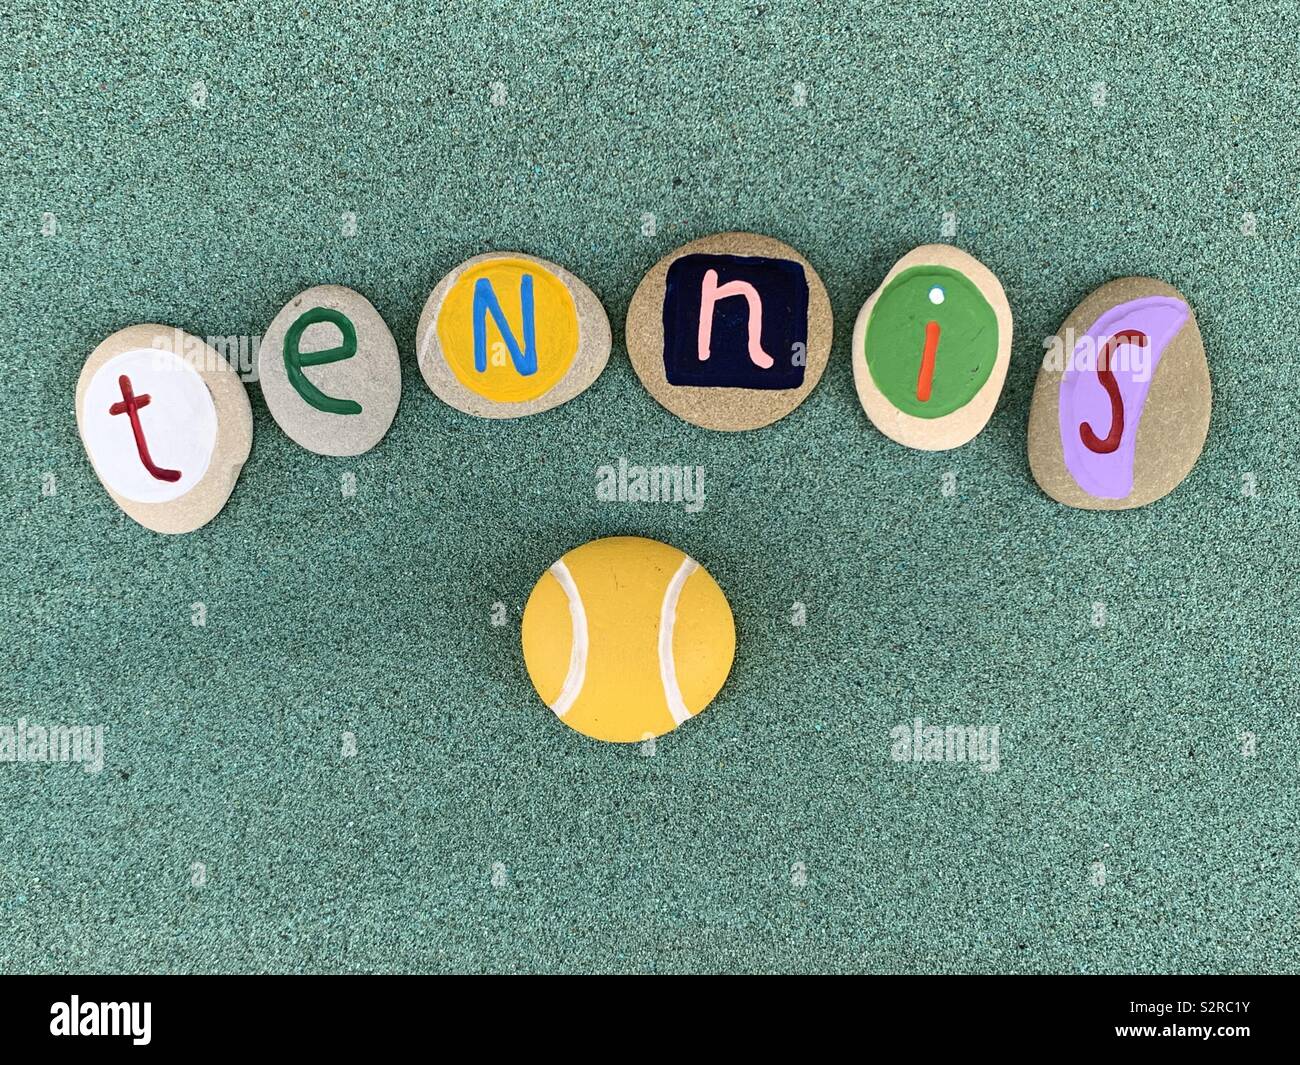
<point>936,294</point>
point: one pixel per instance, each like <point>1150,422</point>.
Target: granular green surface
<point>1143,816</point>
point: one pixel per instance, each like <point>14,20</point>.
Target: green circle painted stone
<point>931,342</point>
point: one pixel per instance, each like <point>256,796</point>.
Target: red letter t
<point>129,406</point>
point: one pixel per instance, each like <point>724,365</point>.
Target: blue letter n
<point>485,300</point>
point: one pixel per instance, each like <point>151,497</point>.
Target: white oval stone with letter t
<point>166,423</point>
<point>165,398</point>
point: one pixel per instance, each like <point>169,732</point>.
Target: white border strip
<point>578,655</point>
<point>667,620</point>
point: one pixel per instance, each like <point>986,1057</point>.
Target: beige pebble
<point>329,371</point>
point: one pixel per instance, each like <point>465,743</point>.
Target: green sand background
<point>370,614</point>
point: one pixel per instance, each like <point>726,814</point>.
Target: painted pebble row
<point>730,332</point>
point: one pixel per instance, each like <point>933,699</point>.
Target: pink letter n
<point>710,293</point>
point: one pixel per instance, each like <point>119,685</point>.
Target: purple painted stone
<point>1084,399</point>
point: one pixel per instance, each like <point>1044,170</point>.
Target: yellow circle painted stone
<point>506,335</point>
<point>554,324</point>
<point>625,638</point>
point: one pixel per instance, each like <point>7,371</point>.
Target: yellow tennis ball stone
<point>625,638</point>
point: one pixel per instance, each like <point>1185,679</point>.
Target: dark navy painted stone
<point>740,282</point>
